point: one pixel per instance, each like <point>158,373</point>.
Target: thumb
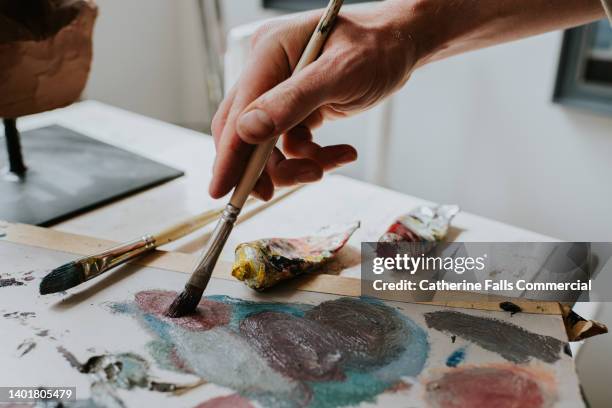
<point>284,106</point>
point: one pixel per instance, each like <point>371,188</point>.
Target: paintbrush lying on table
<point>189,298</point>
<point>76,272</point>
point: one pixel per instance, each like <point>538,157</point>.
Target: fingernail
<point>307,176</point>
<point>256,124</point>
<point>347,157</point>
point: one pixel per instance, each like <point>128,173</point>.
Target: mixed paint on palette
<point>331,353</point>
<point>341,352</point>
<point>338,353</point>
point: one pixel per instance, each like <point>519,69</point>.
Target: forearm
<point>441,28</point>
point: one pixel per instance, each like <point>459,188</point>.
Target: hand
<point>368,55</point>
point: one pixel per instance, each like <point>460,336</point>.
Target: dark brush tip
<point>63,278</point>
<point>185,303</point>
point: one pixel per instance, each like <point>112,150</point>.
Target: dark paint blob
<point>510,341</point>
<point>485,387</point>
<point>510,307</point>
<point>42,333</point>
<point>10,282</point>
<point>208,314</point>
<point>369,334</point>
<point>456,358</point>
<point>297,347</point>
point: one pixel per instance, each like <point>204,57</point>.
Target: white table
<point>336,199</point>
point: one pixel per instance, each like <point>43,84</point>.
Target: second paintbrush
<point>81,270</point>
<point>84,269</point>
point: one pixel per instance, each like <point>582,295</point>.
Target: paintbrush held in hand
<point>188,300</point>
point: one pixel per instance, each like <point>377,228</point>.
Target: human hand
<point>369,55</point>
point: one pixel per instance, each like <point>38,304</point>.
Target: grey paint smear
<point>510,341</point>
<point>119,371</point>
<point>25,347</point>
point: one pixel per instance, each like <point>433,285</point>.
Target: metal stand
<point>13,147</point>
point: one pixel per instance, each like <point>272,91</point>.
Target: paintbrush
<point>76,272</point>
<point>187,301</point>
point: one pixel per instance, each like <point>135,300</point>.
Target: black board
<point>69,173</point>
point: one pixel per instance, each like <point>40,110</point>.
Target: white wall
<point>148,57</point>
<point>136,57</point>
<point>480,130</point>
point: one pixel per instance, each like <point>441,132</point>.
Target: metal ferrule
<point>206,264</point>
<point>98,264</point>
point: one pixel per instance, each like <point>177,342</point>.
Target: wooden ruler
<point>80,245</point>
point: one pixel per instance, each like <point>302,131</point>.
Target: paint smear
<point>21,317</point>
<point>20,280</point>
<point>510,341</point>
<point>366,331</point>
<point>10,282</point>
<point>119,371</point>
<point>338,353</point>
<point>456,358</point>
<point>294,346</point>
<point>499,386</point>
<point>25,347</point>
<point>208,314</point>
<point>229,401</point>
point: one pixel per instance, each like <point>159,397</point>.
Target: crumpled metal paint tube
<point>424,227</point>
<point>263,263</point>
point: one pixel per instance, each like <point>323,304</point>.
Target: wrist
<point>420,23</point>
<point>436,28</point>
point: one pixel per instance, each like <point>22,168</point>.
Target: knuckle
<point>216,126</point>
<point>262,32</point>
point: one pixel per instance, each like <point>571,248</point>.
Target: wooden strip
<point>179,262</point>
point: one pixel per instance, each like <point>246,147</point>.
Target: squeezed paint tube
<point>423,228</point>
<point>263,263</point>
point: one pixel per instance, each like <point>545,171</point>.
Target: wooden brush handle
<point>262,152</point>
<point>186,227</point>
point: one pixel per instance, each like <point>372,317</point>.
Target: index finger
<point>269,64</point>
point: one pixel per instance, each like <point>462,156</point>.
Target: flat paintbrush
<point>76,272</point>
<point>189,298</point>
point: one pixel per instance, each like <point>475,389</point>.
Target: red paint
<point>209,314</point>
<point>400,229</point>
<point>229,401</point>
<point>400,386</point>
<point>488,386</point>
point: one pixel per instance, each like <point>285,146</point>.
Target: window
<point>584,77</point>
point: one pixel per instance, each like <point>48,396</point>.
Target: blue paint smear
<point>241,309</point>
<point>362,384</point>
<point>456,357</point>
<point>365,385</point>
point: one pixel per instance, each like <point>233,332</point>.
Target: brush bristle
<point>185,303</point>
<point>63,278</point>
